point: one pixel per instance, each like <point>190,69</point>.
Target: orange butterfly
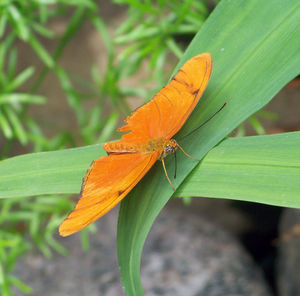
<point>150,127</point>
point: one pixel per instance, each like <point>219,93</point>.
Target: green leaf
<point>20,285</point>
<point>12,63</point>
<point>16,98</point>
<point>233,167</point>
<point>41,51</point>
<point>5,126</point>
<point>101,28</point>
<point>255,48</point>
<point>20,79</point>
<point>5,48</point>
<point>74,24</point>
<point>45,32</point>
<point>18,22</point>
<point>264,169</point>
<point>16,124</point>
<point>109,127</point>
<point>46,172</point>
<point>3,23</point>
<point>257,126</point>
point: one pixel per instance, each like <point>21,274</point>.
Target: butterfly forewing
<point>166,113</point>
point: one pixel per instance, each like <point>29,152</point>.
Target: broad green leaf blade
<point>229,170</point>
<point>46,172</point>
<point>264,169</point>
<point>255,48</point>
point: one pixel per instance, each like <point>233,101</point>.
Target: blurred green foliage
<point>149,33</point>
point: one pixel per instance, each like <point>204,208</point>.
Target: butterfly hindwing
<point>108,181</point>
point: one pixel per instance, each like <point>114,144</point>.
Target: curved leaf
<point>264,169</point>
<point>46,172</point>
<point>255,48</point>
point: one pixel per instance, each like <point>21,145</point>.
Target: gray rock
<point>91,273</point>
<point>288,267</point>
<point>184,255</point>
<point>187,255</point>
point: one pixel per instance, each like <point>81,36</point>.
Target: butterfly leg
<point>187,154</point>
<point>163,163</point>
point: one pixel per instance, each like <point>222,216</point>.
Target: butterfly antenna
<point>175,165</point>
<point>163,163</point>
<point>186,153</point>
<point>206,121</point>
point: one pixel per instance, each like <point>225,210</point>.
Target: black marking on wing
<point>174,77</point>
<point>180,81</point>
<point>195,93</point>
<point>188,110</point>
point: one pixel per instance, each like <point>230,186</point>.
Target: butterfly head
<point>169,148</point>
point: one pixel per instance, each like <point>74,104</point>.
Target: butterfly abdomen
<point>119,147</point>
<point>153,145</point>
